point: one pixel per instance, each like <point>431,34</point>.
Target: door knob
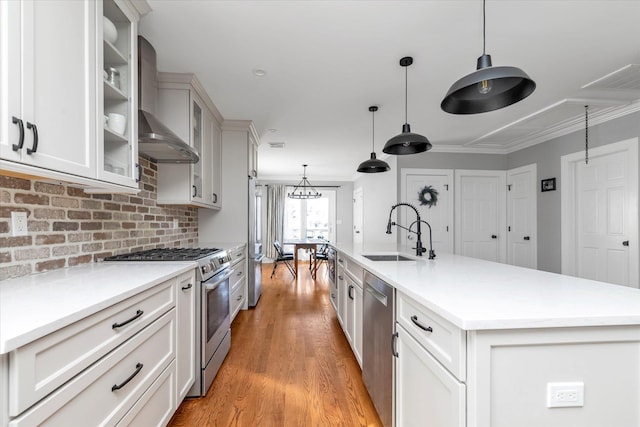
<point>493,236</point>
<point>357,231</point>
<point>625,243</point>
<point>409,237</point>
<point>527,238</point>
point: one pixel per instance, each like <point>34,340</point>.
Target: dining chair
<point>284,257</point>
<point>322,255</point>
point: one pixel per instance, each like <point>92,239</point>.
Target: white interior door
<point>439,216</point>
<point>358,220</point>
<point>480,214</point>
<point>601,242</point>
<point>522,248</point>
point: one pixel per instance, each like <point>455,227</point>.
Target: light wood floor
<point>289,364</point>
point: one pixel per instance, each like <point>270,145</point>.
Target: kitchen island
<point>487,344</point>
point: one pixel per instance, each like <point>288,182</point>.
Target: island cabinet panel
<point>509,372</point>
<point>40,367</point>
<point>426,393</point>
<point>107,390</point>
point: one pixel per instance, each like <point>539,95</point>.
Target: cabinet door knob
<point>20,143</point>
<point>34,129</point>
<point>527,238</point>
<point>625,243</point>
<point>493,236</point>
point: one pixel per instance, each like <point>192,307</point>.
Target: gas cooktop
<point>166,254</point>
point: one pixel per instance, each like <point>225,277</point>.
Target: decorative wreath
<point>428,196</point>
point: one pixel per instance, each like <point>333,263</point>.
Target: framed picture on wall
<point>548,184</point>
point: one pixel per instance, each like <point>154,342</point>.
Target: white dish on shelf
<point>117,123</point>
<point>110,33</point>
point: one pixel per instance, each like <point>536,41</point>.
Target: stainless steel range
<point>213,319</point>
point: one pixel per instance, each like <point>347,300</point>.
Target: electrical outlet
<point>19,224</point>
<point>562,395</point>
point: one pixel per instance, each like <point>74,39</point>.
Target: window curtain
<point>275,217</point>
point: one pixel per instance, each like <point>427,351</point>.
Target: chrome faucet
<point>419,249</point>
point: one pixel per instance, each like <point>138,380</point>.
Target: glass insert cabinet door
<point>196,138</point>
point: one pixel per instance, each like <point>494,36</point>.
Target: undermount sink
<point>388,258</point>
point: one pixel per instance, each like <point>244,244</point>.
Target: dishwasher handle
<point>377,295</point>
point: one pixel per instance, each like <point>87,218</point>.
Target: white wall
<point>379,193</point>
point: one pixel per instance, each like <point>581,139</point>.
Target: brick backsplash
<point>68,227</point>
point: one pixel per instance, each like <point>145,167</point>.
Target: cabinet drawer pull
<point>394,338</point>
<point>139,178</point>
<point>239,298</point>
<point>189,286</point>
<point>215,198</point>
<point>414,319</point>
<point>138,314</point>
<point>34,129</point>
<point>125,382</point>
<point>20,143</point>
<point>349,292</point>
<point>195,191</point>
<point>340,277</point>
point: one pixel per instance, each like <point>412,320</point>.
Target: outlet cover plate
<point>19,224</point>
<point>564,395</point>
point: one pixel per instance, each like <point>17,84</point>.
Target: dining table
<point>306,243</point>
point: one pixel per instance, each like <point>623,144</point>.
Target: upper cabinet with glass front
<point>51,120</point>
<point>118,132</point>
<point>185,107</point>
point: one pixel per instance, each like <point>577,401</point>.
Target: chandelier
<point>304,189</point>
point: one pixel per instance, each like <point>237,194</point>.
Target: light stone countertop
<point>36,305</point>
<point>474,294</point>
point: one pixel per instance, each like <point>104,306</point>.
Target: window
<point>306,218</point>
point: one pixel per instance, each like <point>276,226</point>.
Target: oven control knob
<point>206,268</point>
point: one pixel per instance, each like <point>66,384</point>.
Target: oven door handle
<point>214,285</point>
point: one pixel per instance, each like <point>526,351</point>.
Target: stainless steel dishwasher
<point>377,354</point>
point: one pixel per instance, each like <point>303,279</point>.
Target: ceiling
<point>326,62</point>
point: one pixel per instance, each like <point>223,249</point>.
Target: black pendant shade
<point>407,142</point>
<point>488,88</point>
<point>373,165</point>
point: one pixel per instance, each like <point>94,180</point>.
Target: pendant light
<point>304,189</point>
<point>488,88</point>
<point>373,165</point>
<point>406,142</point>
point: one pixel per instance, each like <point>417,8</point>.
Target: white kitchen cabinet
<point>238,280</point>
<point>106,390</point>
<point>186,338</point>
<point>341,283</point>
<point>118,152</point>
<point>51,62</point>
<point>426,393</point>
<point>52,120</point>
<point>185,107</point>
<point>252,158</point>
<point>353,324</point>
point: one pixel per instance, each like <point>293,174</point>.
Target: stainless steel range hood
<point>156,141</point>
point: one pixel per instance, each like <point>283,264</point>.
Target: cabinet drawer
<point>157,405</point>
<point>445,341</point>
<point>40,367</point>
<point>355,270</point>
<point>238,276</point>
<point>236,299</point>
<point>237,254</point>
<point>93,397</point>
